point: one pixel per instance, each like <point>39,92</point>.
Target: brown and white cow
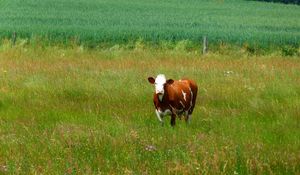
<point>175,98</point>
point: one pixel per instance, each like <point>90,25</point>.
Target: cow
<point>174,97</point>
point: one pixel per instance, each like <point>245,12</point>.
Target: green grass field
<point>78,111</point>
<point>92,22</point>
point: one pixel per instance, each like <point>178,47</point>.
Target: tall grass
<point>78,111</point>
<point>92,22</point>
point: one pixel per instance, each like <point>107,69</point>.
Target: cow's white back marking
<point>184,95</point>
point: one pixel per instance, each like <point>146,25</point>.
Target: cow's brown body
<point>179,99</point>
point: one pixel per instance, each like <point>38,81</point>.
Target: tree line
<point>283,1</point>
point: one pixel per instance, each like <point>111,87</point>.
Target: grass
<point>79,111</point>
<point>238,22</point>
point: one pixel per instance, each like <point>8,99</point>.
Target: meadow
<point>72,110</point>
<point>94,22</point>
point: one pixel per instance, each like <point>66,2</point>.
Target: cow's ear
<point>170,81</point>
<point>151,80</point>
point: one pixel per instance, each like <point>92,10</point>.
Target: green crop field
<point>117,21</point>
<point>78,111</point>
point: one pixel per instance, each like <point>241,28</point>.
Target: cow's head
<point>160,82</point>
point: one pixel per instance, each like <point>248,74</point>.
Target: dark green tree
<point>283,1</point>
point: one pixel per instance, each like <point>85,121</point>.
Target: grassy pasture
<point>77,111</point>
<point>104,21</point>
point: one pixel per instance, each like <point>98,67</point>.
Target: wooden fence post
<point>204,50</point>
<point>14,38</point>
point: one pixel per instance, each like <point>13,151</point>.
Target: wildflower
<point>150,148</point>
<point>228,73</point>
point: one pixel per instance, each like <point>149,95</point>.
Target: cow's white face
<point>159,84</point>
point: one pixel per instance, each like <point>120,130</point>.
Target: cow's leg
<point>187,117</point>
<point>190,111</point>
<point>159,116</point>
<point>173,118</point>
<point>193,91</point>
